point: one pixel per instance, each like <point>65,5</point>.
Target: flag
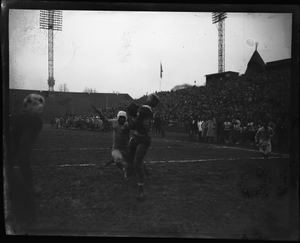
<point>161,70</point>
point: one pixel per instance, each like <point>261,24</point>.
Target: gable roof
<point>256,58</point>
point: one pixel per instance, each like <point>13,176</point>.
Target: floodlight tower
<point>219,19</point>
<point>51,20</point>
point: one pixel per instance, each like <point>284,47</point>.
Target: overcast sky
<point>121,52</point>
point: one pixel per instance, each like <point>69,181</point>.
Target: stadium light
<point>219,18</point>
<point>51,20</point>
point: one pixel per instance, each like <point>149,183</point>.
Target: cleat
<point>120,166</point>
<point>109,162</point>
<point>140,196</point>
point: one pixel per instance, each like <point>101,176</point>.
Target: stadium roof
<point>220,73</point>
<point>280,62</point>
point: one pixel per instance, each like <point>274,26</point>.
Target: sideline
<point>168,161</point>
<point>162,147</point>
<point>172,141</point>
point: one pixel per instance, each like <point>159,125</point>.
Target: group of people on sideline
<point>235,131</point>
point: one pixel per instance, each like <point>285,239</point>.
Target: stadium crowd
<point>240,102</point>
<point>87,122</point>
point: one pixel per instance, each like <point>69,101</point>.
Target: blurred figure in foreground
<point>24,129</point>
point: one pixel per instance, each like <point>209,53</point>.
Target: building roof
<point>280,62</point>
<point>220,73</point>
<point>257,59</point>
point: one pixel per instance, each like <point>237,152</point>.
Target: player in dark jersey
<point>141,140</point>
<point>24,129</point>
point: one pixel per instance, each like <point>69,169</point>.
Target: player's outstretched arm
<point>103,118</point>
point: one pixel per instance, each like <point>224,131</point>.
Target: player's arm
<point>103,118</point>
<point>132,112</point>
<point>136,121</point>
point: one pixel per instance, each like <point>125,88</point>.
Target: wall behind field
<point>66,102</point>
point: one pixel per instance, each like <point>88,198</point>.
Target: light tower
<point>219,19</point>
<point>51,20</point>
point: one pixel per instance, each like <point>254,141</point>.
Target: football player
<point>121,132</point>
<point>141,139</point>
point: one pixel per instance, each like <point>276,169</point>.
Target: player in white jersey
<point>121,137</point>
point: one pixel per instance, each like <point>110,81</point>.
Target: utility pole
<point>219,19</point>
<point>51,20</point>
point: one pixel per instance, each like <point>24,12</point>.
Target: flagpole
<point>159,84</point>
<point>160,76</point>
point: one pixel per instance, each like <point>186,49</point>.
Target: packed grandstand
<point>250,98</point>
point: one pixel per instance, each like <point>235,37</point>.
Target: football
<point>132,109</point>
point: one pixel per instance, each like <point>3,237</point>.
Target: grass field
<point>195,190</point>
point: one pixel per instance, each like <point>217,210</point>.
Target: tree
<point>181,86</point>
<point>63,88</point>
<point>89,90</point>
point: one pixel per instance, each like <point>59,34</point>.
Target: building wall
<point>62,102</point>
<point>220,77</point>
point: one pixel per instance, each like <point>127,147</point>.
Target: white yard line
<point>164,147</point>
<point>171,161</point>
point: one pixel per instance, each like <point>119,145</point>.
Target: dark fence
<point>63,103</point>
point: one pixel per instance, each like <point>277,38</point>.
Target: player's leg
<point>141,151</point>
<point>132,150</point>
<point>262,149</point>
<point>111,161</point>
<point>138,165</point>
<point>268,150</point>
<point>126,161</point>
<point>118,158</point>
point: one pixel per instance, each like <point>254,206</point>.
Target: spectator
<point>236,130</point>
<point>227,127</point>
<point>193,128</point>
<point>244,133</point>
<point>211,131</point>
<point>157,124</point>
<point>199,124</point>
<point>163,125</point>
<point>279,131</point>
<point>204,129</point>
<point>251,132</point>
<point>220,130</point>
